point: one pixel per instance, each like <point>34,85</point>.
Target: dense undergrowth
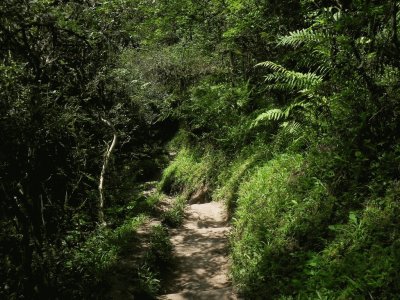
<point>299,136</point>
<point>292,236</point>
<point>98,256</point>
<point>287,110</point>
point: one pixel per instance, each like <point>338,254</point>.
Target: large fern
<point>318,42</point>
<point>277,114</point>
<point>281,78</point>
<point>303,36</point>
<point>274,114</point>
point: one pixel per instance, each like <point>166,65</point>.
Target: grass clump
<point>233,173</point>
<point>160,249</point>
<point>189,170</point>
<point>279,212</point>
<point>174,216</point>
<point>101,250</point>
<point>156,261</point>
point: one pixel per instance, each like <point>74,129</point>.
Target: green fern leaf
<point>272,114</point>
<point>291,127</point>
<point>293,80</point>
<point>302,36</point>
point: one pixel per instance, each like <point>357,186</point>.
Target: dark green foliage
<point>160,248</point>
<point>94,259</point>
<point>310,140</point>
<point>291,107</point>
<point>59,77</point>
<point>215,114</point>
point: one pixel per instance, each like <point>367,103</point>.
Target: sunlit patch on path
<point>201,255</point>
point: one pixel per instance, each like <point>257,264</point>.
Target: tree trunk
<point>106,159</point>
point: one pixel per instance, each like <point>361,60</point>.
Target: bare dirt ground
<point>200,253</point>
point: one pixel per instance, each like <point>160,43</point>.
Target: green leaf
<point>353,217</point>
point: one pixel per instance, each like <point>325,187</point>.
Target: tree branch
<point>107,156</point>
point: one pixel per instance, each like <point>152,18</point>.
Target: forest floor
<point>200,255</point>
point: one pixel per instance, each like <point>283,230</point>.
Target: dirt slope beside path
<point>200,250</point>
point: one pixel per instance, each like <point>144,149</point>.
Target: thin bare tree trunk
<point>107,156</point>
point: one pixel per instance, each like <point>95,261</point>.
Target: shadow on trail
<point>201,248</point>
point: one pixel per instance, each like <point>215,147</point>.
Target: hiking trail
<point>200,255</point>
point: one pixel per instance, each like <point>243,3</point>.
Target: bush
<point>215,114</point>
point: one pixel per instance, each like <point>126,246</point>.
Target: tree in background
<point>59,80</point>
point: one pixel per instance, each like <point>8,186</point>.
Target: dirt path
<point>200,251</point>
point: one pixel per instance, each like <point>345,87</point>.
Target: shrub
<point>215,114</point>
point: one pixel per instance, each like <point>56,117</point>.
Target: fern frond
<point>291,127</point>
<point>292,79</point>
<point>272,66</point>
<point>277,114</point>
<point>302,104</point>
<point>302,36</point>
<point>274,114</point>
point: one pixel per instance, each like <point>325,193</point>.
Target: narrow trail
<point>200,253</point>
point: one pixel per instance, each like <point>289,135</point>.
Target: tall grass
<point>190,169</point>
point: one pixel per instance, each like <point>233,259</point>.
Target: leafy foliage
<point>320,114</point>
<point>58,80</point>
<point>291,80</point>
<point>301,37</point>
<point>310,137</point>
